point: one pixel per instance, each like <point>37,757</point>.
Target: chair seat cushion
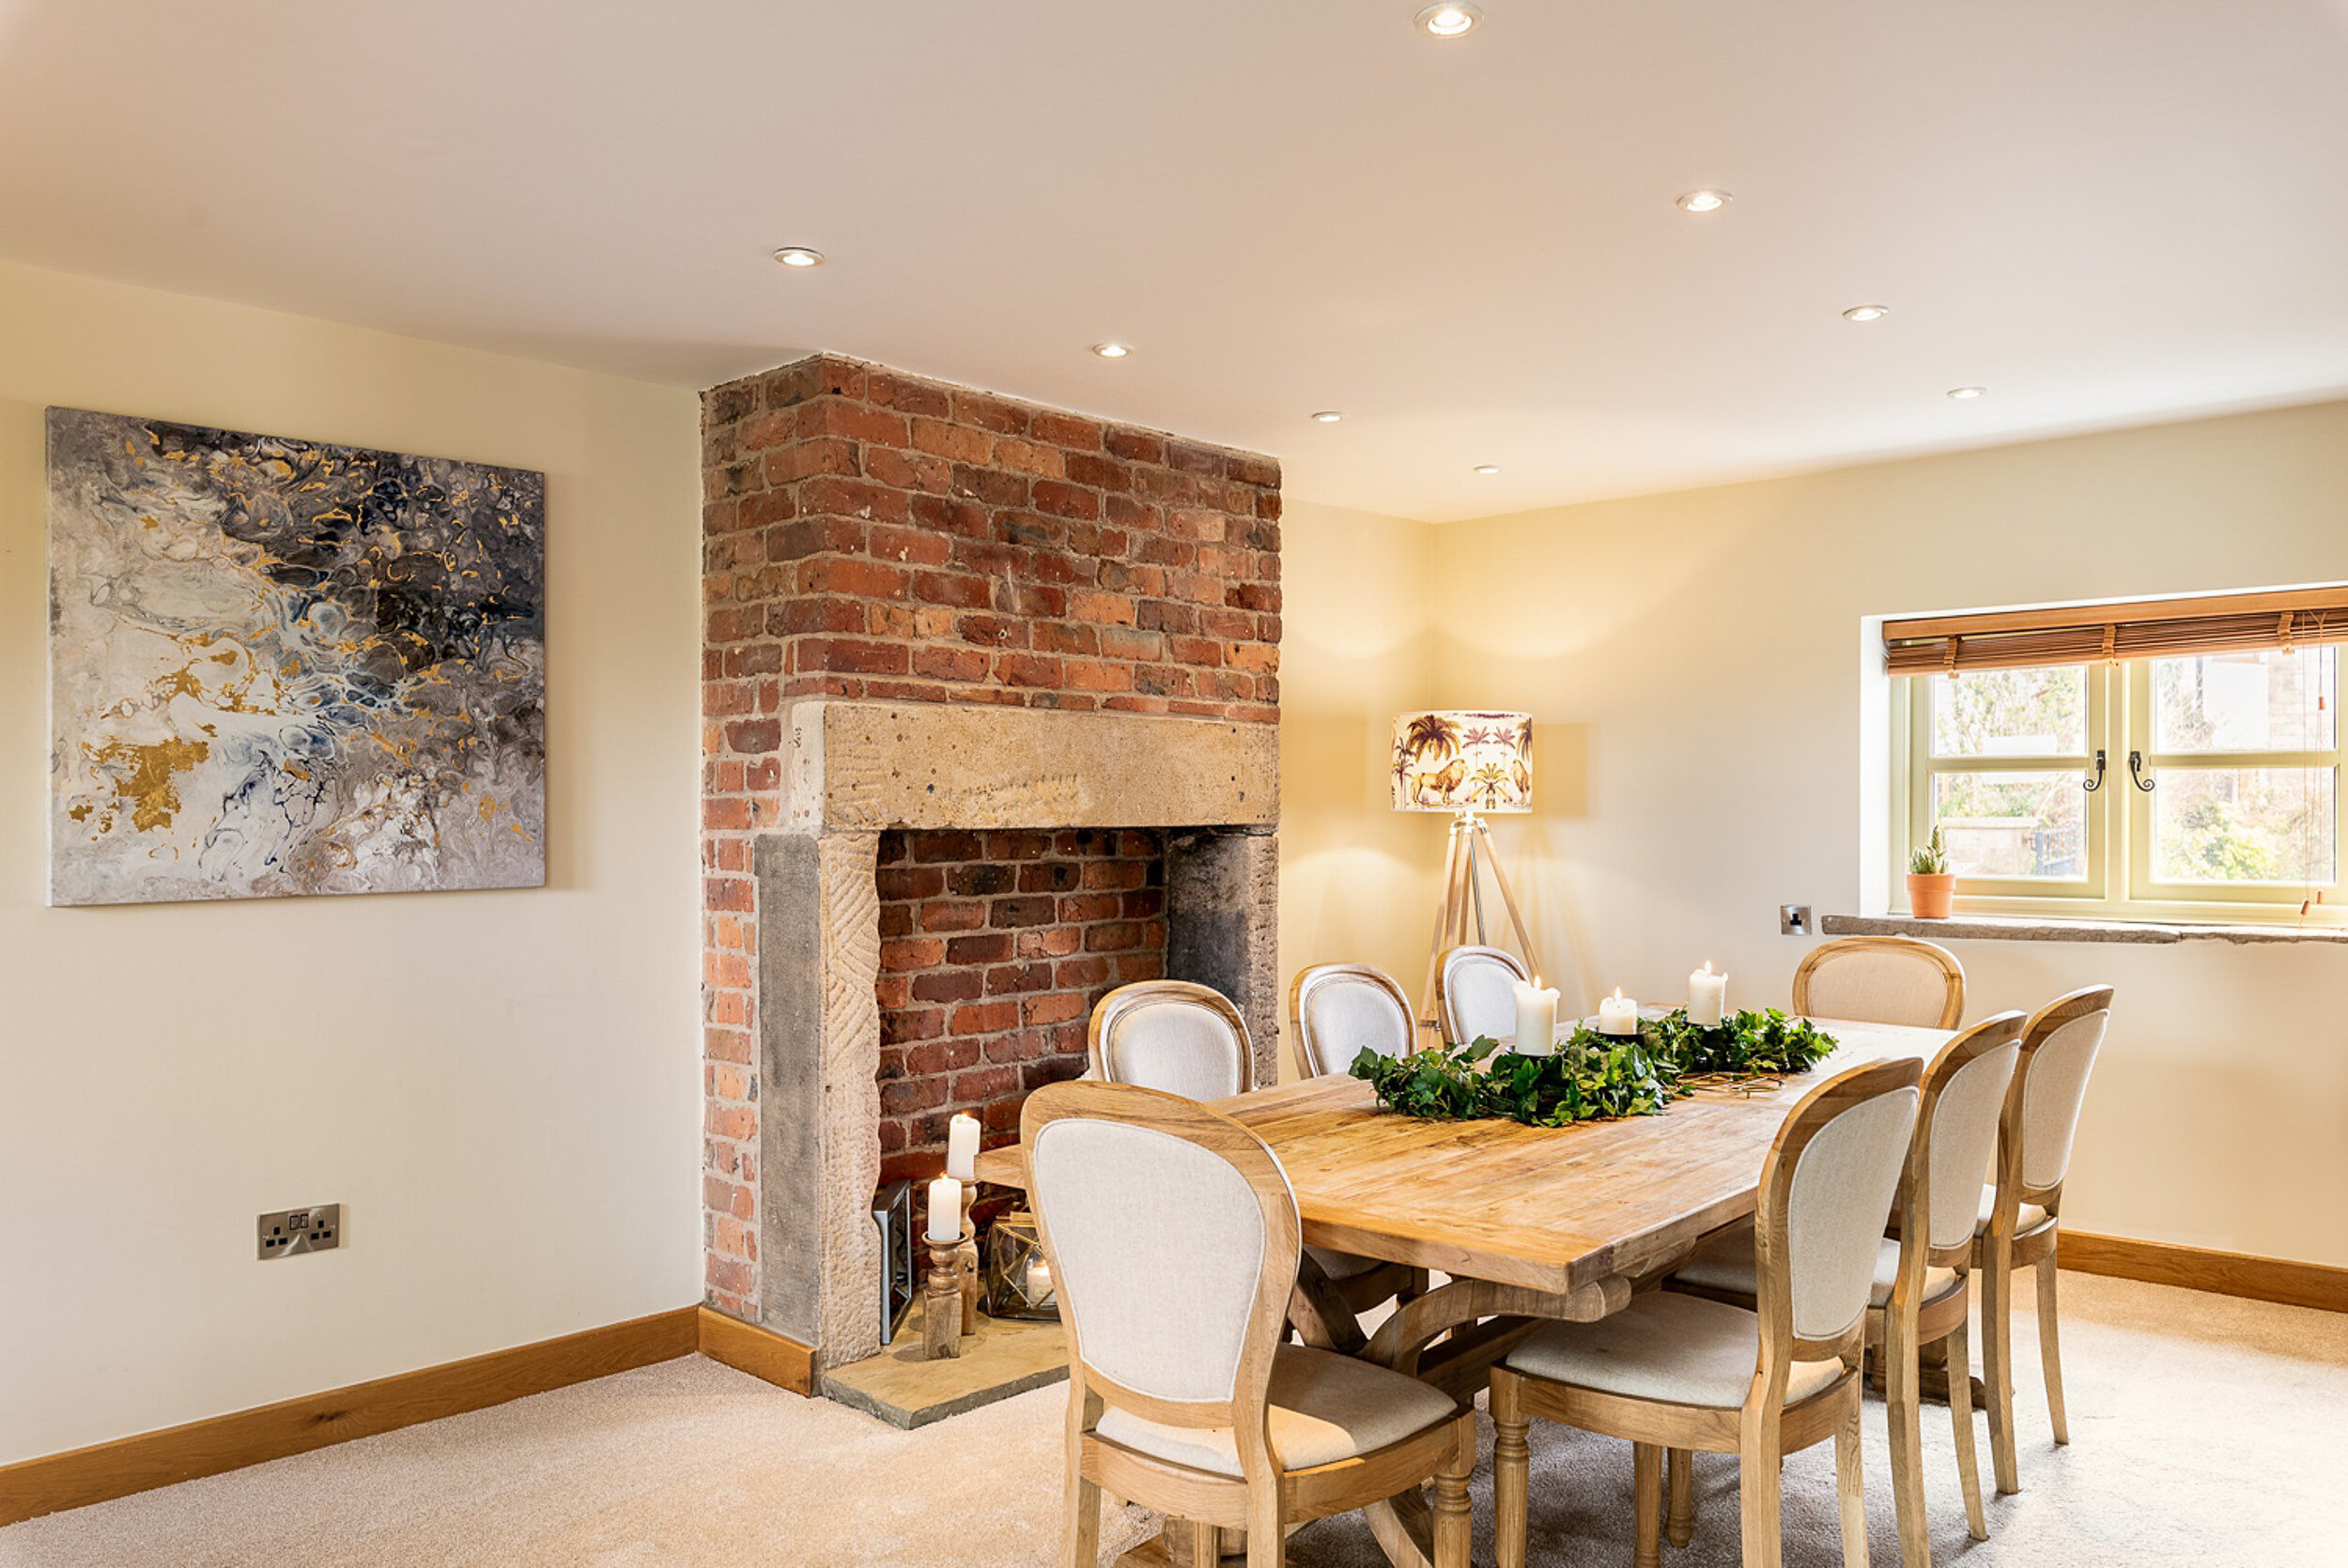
<point>1724,1262</point>
<point>1324,1408</point>
<point>1679,1349</point>
<point>1342,1265</point>
<point>2026,1219</point>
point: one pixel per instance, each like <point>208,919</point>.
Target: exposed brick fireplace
<point>989,729</point>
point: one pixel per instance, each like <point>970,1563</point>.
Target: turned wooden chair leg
<point>1961,1413</point>
<point>1904,1406</point>
<point>1997,1359</point>
<point>1511,1464</point>
<point>1647,1504</point>
<point>2049,1348</point>
<point>1455,1524</point>
<point>1681,1525</point>
<point>1850,1484</point>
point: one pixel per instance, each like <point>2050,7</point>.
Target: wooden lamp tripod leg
<point>1447,916</point>
<point>1509,898</point>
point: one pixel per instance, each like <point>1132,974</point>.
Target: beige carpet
<point>2206,1432</point>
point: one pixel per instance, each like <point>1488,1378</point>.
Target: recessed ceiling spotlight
<point>1112,350</point>
<point>1327,416</point>
<point>1454,19</point>
<point>799,256</point>
<point>1866,313</point>
<point>1964,394</point>
<point>1705,201</point>
<point>1487,467</point>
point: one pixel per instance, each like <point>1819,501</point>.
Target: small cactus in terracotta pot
<point>1931,885</point>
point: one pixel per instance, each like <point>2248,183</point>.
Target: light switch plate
<point>1793,921</point>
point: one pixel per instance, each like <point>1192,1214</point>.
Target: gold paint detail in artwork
<point>145,777</point>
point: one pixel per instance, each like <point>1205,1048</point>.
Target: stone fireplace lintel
<point>865,766</point>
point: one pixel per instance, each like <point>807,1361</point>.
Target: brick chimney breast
<point>887,560</point>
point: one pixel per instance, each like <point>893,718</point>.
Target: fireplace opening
<point>995,947</point>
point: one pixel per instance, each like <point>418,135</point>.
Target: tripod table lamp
<point>1471,762</point>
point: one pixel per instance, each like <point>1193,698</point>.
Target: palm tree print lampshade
<point>1457,759</point>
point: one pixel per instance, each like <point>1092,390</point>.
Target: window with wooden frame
<point>2164,758</point>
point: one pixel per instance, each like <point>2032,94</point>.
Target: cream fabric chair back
<point>1882,979</point>
<point>1475,994</point>
<point>2065,1039</point>
<point>1962,1139</point>
<point>1338,1008</point>
<point>1172,1236</point>
<point>1171,1034</point>
<point>1827,1184</point>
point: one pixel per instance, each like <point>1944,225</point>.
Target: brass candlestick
<point>941,1307</point>
<point>966,1262</point>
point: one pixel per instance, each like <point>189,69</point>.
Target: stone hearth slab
<point>1002,1359</point>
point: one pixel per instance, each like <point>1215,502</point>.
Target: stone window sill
<point>2004,927</point>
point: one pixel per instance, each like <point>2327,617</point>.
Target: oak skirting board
<point>115,1469</point>
<point>2254,1278</point>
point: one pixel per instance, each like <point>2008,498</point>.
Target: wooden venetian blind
<point>2122,629</point>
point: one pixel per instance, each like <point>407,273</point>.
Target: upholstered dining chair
<point>2017,1225</point>
<point>1334,1009</point>
<point>1674,1371</point>
<point>1172,1235</point>
<point>1922,1293</point>
<point>1882,980</point>
<point>1476,993</point>
<point>1171,1034</point>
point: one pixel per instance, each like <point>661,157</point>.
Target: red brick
<point>989,413</point>
<point>1139,446</point>
<point>1029,458</point>
<point>862,657</point>
<point>919,952</point>
<point>990,947</point>
<point>953,914</point>
<point>1062,499</point>
<point>1027,669</point>
<point>916,546</point>
<point>837,575</point>
<point>984,1017</point>
<point>981,1085</point>
<point>955,589</point>
<point>949,985</point>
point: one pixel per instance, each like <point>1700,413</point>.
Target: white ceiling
<point>2104,210</point>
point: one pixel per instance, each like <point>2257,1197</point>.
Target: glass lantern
<point>1018,1278</point>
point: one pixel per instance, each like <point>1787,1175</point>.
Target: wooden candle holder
<point>966,1262</point>
<point>941,1306</point>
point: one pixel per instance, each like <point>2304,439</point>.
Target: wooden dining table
<point>1529,1223</point>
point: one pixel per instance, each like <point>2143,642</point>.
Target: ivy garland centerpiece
<point>1590,1076</point>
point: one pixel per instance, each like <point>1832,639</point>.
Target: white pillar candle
<point>1038,1281</point>
<point>1707,997</point>
<point>962,1147</point>
<point>945,1209</point>
<point>1617,1014</point>
<point>1536,1018</point>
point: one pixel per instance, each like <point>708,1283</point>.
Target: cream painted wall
<point>502,1087</point>
<point>1695,664</point>
<point>1358,879</point>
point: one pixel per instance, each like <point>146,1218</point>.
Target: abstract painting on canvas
<point>281,668</point>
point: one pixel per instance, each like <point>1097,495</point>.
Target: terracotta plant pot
<point>1928,897</point>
